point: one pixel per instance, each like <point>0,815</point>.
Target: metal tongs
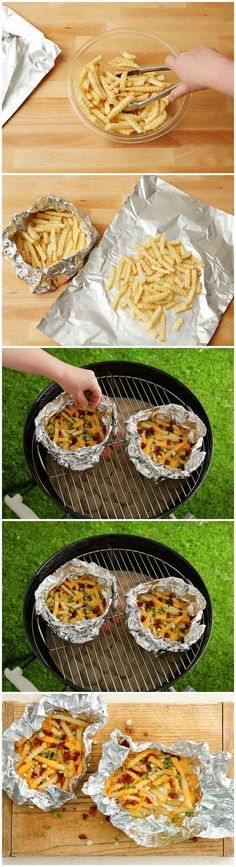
<point>133,106</point>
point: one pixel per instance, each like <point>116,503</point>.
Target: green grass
<point>207,372</point>
<point>207,546</point>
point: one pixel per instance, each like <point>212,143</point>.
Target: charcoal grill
<point>113,661</point>
<point>113,489</point>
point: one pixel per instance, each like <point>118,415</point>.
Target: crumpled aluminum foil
<point>83,314</point>
<point>213,817</point>
<point>27,57</point>
<point>144,463</point>
<point>85,630</point>
<point>81,459</point>
<point>144,637</point>
<point>89,707</point>
<point>47,279</point>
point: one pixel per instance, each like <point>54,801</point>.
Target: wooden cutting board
<point>45,134</point>
<point>101,198</point>
<point>24,833</point>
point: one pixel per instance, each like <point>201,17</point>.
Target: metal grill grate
<point>113,489</point>
<point>114,661</point>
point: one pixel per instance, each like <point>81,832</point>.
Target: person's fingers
<point>179,91</point>
<point>82,400</point>
<point>171,61</point>
<point>96,392</point>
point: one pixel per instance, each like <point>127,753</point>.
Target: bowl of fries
<point>76,599</point>
<point>46,751</point>
<point>100,89</point>
<point>165,614</point>
<point>157,793</point>
<point>76,438</point>
<point>48,242</point>
<point>165,441</point>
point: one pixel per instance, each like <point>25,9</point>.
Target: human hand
<point>200,68</point>
<point>76,381</point>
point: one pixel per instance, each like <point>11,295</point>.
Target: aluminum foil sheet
<point>83,314</point>
<point>27,57</point>
<point>180,415</point>
<point>47,279</point>
<point>213,816</point>
<point>88,707</point>
<point>85,630</point>
<point>81,459</point>
<point>144,637</point>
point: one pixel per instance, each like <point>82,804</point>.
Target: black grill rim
<point>122,368</point>
<point>115,541</point>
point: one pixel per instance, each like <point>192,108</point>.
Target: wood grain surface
<point>101,198</point>
<point>46,135</point>
<point>167,722</point>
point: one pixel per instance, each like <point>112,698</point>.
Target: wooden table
<point>23,831</point>
<point>102,199</point>
<point>46,135</point>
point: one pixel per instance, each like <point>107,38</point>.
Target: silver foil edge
<point>90,707</point>
<point>83,315</point>
<point>144,637</point>
<point>144,463</point>
<point>85,630</point>
<point>27,57</point>
<point>213,816</point>
<point>84,458</point>
<point>47,279</point>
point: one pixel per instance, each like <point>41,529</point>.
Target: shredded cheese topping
<point>154,782</point>
<point>73,428</point>
<point>165,614</point>
<point>54,754</point>
<point>76,599</point>
<point>165,442</point>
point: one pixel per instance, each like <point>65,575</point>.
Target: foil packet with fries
<point>82,458</point>
<point>75,600</point>
<point>165,614</point>
<point>200,240</point>
<point>46,752</point>
<point>209,815</point>
<point>174,417</point>
<point>48,242</point>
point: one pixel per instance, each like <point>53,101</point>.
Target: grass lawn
<point>208,373</point>
<point>208,546</point>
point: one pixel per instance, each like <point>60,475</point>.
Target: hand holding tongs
<point>134,105</point>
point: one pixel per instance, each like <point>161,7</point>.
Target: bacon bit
<point>93,810</point>
<point>145,734</point>
<point>85,816</point>
<point>83,837</point>
<point>124,743</point>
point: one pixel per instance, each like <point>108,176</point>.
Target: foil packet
<point>85,630</point>
<point>182,416</point>
<point>83,314</point>
<point>27,56</point>
<point>213,815</point>
<point>50,278</point>
<point>144,637</point>
<point>88,707</point>
<point>83,458</point>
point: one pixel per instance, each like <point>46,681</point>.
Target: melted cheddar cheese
<point>156,783</point>
<point>165,614</point>
<point>73,428</point>
<point>165,442</point>
<point>54,754</point>
<point>76,599</point>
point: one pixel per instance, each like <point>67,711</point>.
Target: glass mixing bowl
<point>149,50</point>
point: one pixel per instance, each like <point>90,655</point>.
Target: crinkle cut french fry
<point>148,295</point>
<point>49,236</point>
<point>105,96</point>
